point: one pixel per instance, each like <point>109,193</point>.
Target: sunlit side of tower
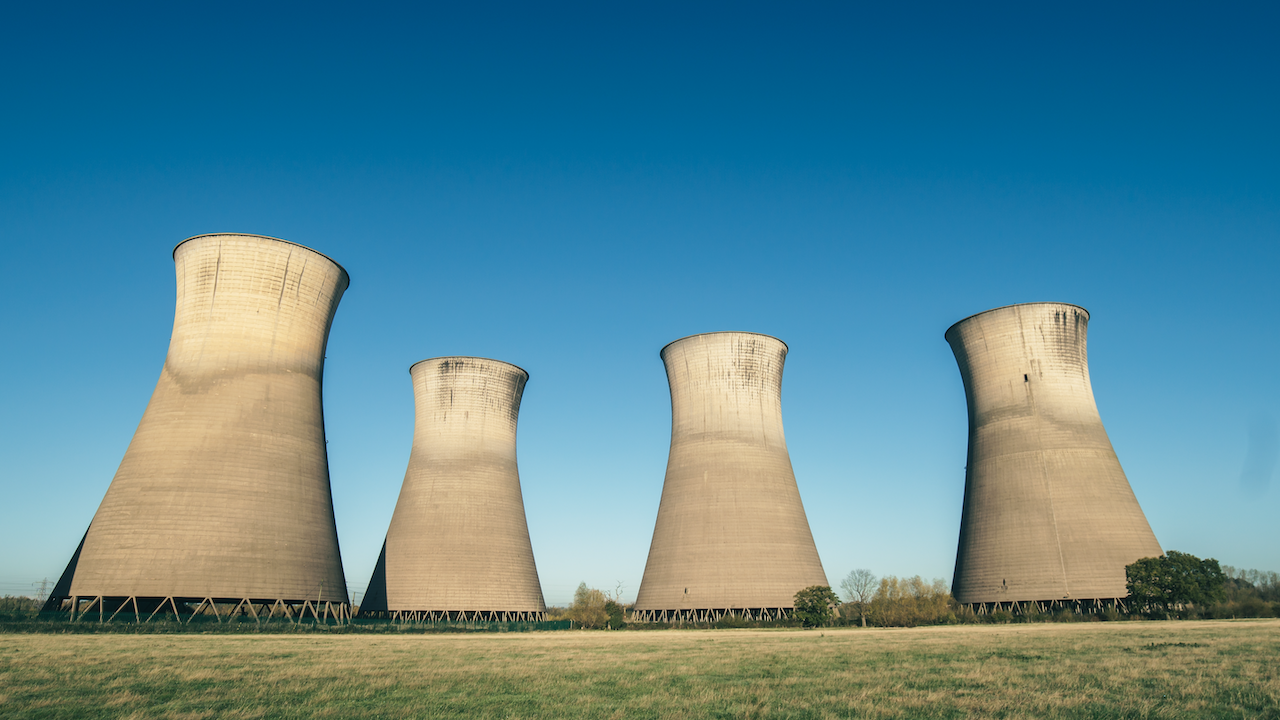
<point>223,493</point>
<point>1048,512</point>
<point>458,544</point>
<point>731,534</point>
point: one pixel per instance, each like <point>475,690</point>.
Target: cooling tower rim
<point>723,332</point>
<point>337,264</point>
<point>470,357</point>
<point>1014,305</point>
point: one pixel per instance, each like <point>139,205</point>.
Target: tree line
<point>1182,585</point>
<point>1173,585</point>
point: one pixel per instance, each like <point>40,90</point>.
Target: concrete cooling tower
<point>458,545</point>
<point>731,535</point>
<point>223,494</point>
<point>1049,516</point>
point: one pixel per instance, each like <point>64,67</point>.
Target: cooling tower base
<point>1088,606</point>
<point>185,609</point>
<point>456,615</point>
<point>684,615</point>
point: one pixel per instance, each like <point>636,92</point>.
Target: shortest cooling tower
<point>731,535</point>
<point>1048,512</point>
<point>458,545</point>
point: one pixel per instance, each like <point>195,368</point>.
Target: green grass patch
<point>1187,669</point>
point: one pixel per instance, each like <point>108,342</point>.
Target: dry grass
<point>1100,670</point>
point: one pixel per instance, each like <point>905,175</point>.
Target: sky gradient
<point>569,189</point>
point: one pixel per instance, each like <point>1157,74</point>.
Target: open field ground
<point>1210,669</point>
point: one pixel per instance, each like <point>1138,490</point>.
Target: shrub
<point>733,621</point>
<point>588,608</point>
<point>814,604</point>
<point>617,618</point>
<point>1248,607</point>
<point>18,608</point>
<point>909,602</point>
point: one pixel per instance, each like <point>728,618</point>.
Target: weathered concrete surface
<point>458,539</point>
<point>731,531</point>
<point>224,490</point>
<point>1048,512</point>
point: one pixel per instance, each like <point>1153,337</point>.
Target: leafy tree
<point>617,619</point>
<point>859,587</point>
<point>1142,580</point>
<point>588,608</point>
<point>907,602</point>
<point>1174,580</point>
<point>814,604</point>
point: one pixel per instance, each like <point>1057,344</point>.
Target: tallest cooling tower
<point>1048,513</point>
<point>731,535</point>
<point>223,494</point>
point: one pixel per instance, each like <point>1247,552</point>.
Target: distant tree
<point>1265,584</point>
<point>814,604</point>
<point>555,612</point>
<point>907,602</point>
<point>617,617</point>
<point>588,608</point>
<point>1174,580</point>
<point>18,608</point>
<point>859,587</point>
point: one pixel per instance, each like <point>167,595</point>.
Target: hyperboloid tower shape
<point>458,545</point>
<point>223,494</point>
<point>1048,514</point>
<point>731,535</point>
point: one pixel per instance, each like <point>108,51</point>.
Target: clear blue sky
<point>569,188</point>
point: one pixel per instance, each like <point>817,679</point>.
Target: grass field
<point>1211,669</point>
